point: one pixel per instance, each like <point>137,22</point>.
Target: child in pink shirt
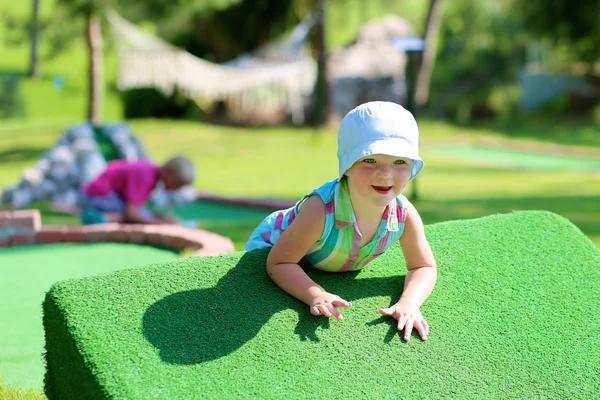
<point>120,192</point>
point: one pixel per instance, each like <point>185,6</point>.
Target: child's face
<point>379,178</point>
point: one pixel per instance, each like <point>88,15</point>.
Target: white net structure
<point>280,74</point>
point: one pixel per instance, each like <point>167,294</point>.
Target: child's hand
<point>409,316</point>
<point>327,304</point>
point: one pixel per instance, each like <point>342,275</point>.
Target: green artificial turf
<point>208,210</point>
<point>27,274</point>
<point>514,315</point>
<point>510,158</point>
<point>236,222</point>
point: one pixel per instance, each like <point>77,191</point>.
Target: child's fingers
<point>408,330</point>
<point>426,327</point>
<point>401,322</point>
<point>325,310</point>
<point>341,303</point>
<point>420,327</point>
<point>336,313</point>
<point>386,311</point>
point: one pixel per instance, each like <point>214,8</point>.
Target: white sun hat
<point>378,127</point>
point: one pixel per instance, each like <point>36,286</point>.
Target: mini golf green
<point>234,221</point>
<point>27,273</point>
<point>210,210</point>
<point>508,158</point>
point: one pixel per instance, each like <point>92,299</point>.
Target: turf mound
<point>514,315</point>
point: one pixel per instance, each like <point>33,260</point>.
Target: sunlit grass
<point>286,162</point>
<point>19,393</point>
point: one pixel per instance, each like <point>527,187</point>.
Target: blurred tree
<point>216,30</point>
<point>95,67</point>
<point>90,11</point>
<point>572,25</point>
<point>483,46</point>
<point>34,71</point>
<point>481,49</point>
<point>431,34</point>
<point>220,34</point>
<point>25,31</point>
<point>321,93</point>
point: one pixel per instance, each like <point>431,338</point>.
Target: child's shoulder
<point>313,206</point>
<point>328,187</point>
<point>326,191</point>
<point>402,201</point>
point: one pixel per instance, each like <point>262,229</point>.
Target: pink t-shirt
<point>133,181</point>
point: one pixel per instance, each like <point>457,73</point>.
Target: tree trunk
<point>321,111</point>
<point>96,73</point>
<point>34,71</point>
<point>431,35</point>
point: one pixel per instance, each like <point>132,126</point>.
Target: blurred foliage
<point>12,103</point>
<point>145,9</point>
<point>66,23</point>
<point>480,51</point>
<point>346,17</point>
<point>219,35</point>
<point>482,45</point>
<point>149,102</point>
<point>57,30</point>
<point>572,26</point>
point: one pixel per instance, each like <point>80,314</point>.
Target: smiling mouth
<point>382,189</point>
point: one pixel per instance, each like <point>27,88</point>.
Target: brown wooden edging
<point>24,227</point>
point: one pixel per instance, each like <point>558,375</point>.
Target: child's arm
<point>290,248</point>
<point>133,215</point>
<point>420,279</point>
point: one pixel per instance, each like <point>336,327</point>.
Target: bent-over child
<point>119,193</point>
<point>349,221</point>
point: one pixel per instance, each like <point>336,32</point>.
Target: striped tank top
<point>337,249</point>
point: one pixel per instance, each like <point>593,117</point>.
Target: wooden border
<point>24,227</point>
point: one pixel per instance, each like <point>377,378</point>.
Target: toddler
<point>348,222</point>
<point>120,192</point>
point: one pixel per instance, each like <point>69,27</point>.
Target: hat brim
<point>390,147</point>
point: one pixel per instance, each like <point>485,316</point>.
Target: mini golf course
<point>33,257</point>
<point>29,271</point>
<point>514,315</point>
<point>219,211</point>
<point>233,220</point>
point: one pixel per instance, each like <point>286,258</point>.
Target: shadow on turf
<point>196,326</point>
